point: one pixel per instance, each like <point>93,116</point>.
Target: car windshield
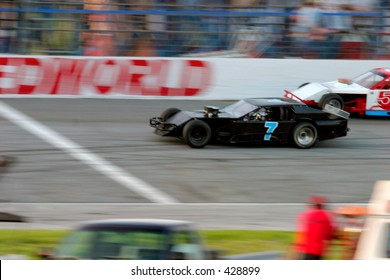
<point>369,79</point>
<point>239,109</point>
<point>113,244</point>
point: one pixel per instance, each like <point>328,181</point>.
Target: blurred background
<point>325,29</point>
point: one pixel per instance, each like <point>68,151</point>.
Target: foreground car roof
<point>141,223</point>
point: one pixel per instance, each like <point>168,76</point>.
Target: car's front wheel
<point>304,135</point>
<point>197,134</point>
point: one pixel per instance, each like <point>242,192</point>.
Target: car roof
<point>273,101</point>
<point>383,70</point>
<point>135,223</point>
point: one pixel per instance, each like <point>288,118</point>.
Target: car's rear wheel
<point>166,114</point>
<point>304,135</point>
<point>197,134</point>
<point>332,99</point>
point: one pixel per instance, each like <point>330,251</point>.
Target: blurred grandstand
<point>344,29</point>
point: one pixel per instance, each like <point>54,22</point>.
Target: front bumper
<point>155,122</point>
<point>161,128</point>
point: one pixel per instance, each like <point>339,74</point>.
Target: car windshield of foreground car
<point>113,244</point>
<point>369,79</point>
<point>239,109</point>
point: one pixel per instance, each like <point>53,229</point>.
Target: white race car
<point>367,94</point>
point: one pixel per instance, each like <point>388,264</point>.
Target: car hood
<point>314,91</point>
<point>184,116</point>
<point>310,91</point>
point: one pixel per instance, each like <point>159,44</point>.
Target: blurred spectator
<point>202,33</point>
<point>99,39</point>
<point>214,26</point>
<point>158,25</point>
<point>315,228</point>
<point>306,30</point>
<point>188,35</point>
<point>48,30</point>
<point>280,25</point>
<point>365,6</point>
<point>361,35</point>
<point>256,35</point>
<point>272,27</point>
<point>8,21</point>
<point>144,46</point>
<point>122,29</point>
<point>383,50</point>
<point>135,29</point>
<point>337,24</point>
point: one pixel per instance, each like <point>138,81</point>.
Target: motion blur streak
<point>78,152</point>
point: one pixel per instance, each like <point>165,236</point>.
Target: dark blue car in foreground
<point>133,239</point>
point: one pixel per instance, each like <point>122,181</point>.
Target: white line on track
<point>96,162</point>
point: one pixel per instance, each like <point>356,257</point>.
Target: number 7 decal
<point>271,128</point>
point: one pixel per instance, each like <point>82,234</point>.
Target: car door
<point>285,123</point>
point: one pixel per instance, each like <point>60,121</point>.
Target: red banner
<point>103,76</point>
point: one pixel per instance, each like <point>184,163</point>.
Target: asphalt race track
<point>80,159</point>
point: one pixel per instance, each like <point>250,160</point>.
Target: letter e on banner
<point>19,75</point>
<point>7,76</point>
<point>29,75</point>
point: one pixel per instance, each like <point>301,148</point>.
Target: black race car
<point>254,121</point>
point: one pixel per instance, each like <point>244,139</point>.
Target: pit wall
<point>177,78</point>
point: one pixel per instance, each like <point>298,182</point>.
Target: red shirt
<point>315,228</point>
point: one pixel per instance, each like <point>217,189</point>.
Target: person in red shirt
<point>315,228</point>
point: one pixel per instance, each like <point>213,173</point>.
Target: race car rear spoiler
<point>336,111</point>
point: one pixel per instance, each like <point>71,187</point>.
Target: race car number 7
<point>271,128</point>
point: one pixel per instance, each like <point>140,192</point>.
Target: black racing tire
<point>304,84</point>
<point>197,134</point>
<point>332,99</point>
<point>304,135</point>
<point>167,113</point>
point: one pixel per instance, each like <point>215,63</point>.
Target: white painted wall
<point>221,78</point>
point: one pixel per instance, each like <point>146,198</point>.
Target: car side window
<point>78,244</point>
<point>254,116</point>
<point>185,244</point>
<point>266,114</point>
<point>273,114</point>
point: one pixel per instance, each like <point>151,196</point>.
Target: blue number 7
<point>271,128</point>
